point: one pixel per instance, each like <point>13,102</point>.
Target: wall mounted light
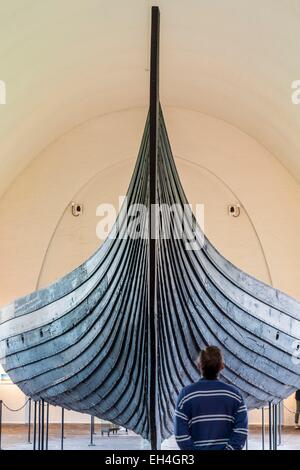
<point>77,209</point>
<point>234,210</point>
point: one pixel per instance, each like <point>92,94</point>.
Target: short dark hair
<point>210,362</point>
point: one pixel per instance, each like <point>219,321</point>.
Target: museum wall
<point>40,239</point>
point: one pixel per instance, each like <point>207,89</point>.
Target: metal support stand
<point>280,423</point>
<point>275,426</point>
<point>39,425</point>
<point>47,426</point>
<point>263,428</point>
<point>1,408</point>
<point>34,425</point>
<point>270,426</point>
<point>29,421</point>
<point>62,429</point>
<point>43,425</point>
<point>92,432</point>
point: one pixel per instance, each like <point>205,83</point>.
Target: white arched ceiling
<point>66,61</point>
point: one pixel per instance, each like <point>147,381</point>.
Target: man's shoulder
<point>190,388</point>
<point>210,385</point>
<point>230,388</point>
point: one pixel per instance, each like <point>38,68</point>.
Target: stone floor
<point>77,437</point>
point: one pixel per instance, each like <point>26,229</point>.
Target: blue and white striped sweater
<point>210,415</point>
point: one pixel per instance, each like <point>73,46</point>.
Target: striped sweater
<point>210,415</point>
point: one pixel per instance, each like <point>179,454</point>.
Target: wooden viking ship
<point>118,337</point>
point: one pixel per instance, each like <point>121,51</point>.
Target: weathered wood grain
<point>83,343</point>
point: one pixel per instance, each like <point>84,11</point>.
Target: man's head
<point>210,362</point>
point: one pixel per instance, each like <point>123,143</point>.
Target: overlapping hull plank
<point>83,343</point>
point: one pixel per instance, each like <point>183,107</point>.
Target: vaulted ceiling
<point>66,61</point>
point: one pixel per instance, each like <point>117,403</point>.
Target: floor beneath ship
<point>77,437</point>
